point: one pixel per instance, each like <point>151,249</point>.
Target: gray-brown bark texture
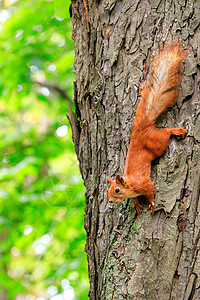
<point>134,256</point>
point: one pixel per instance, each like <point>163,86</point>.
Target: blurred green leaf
<point>41,191</point>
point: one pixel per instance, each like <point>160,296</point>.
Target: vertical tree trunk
<point>134,256</point>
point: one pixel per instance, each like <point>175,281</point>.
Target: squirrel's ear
<point>120,180</point>
<point>110,180</point>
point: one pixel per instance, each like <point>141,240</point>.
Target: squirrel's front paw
<point>138,207</point>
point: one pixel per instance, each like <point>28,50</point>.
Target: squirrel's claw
<point>184,131</point>
<point>151,205</point>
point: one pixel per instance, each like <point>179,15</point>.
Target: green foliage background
<point>42,233</point>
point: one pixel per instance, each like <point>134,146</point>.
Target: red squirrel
<point>147,141</point>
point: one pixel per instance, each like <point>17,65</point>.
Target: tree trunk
<point>134,256</point>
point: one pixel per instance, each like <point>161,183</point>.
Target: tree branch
<point>56,88</point>
<point>71,115</point>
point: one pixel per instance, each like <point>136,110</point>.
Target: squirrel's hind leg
<point>157,139</point>
<point>176,131</point>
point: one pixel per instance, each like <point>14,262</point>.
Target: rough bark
<point>134,256</point>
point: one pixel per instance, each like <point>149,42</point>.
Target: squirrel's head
<point>118,190</point>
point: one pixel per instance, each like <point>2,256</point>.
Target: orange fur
<point>147,141</point>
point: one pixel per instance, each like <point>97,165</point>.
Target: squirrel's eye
<point>117,190</point>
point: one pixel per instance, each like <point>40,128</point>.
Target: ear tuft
<point>120,180</point>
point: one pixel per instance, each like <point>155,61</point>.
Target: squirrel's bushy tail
<point>163,86</point>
